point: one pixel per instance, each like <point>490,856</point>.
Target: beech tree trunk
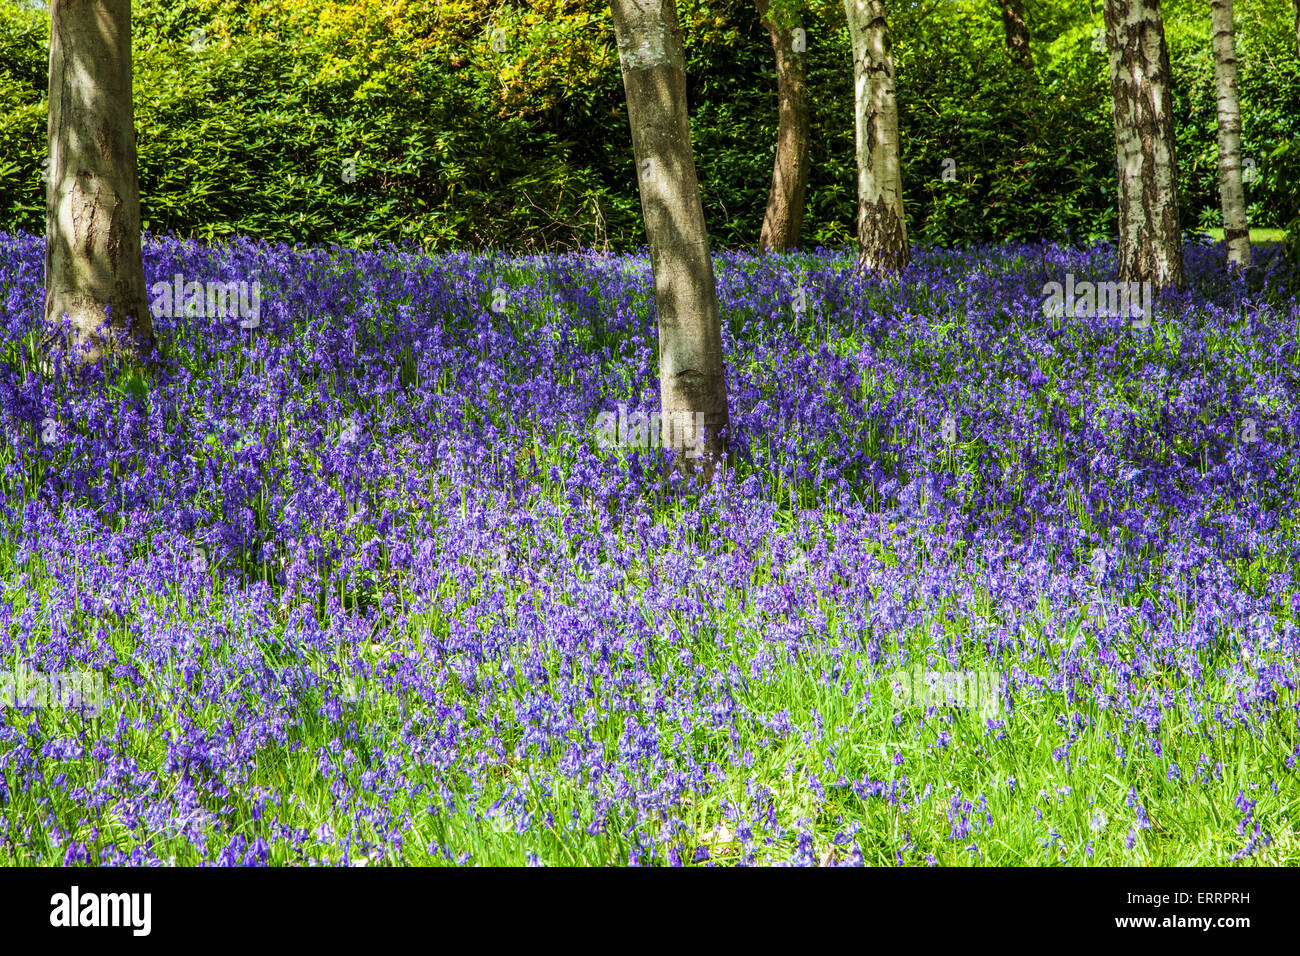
<point>691,372</point>
<point>1017,31</point>
<point>1150,240</point>
<point>1232,197</point>
<point>783,220</point>
<point>93,265</point>
<point>882,228</point>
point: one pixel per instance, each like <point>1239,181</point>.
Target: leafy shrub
<point>456,143</point>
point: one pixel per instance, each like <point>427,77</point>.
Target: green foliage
<point>458,143</point>
<point>1269,81</point>
<point>1034,154</point>
<point>24,44</point>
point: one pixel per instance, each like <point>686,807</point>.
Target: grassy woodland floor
<point>363,589</point>
<point>1256,235</point>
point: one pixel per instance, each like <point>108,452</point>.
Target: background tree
<point>1017,31</point>
<point>1150,241</point>
<point>691,370</point>
<point>93,266</point>
<point>882,226</point>
<point>1232,197</point>
<point>783,220</point>
<point>460,146</point>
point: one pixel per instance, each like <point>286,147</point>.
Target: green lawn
<point>1256,235</point>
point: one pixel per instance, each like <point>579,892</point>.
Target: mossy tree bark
<point>1017,32</point>
<point>1297,26</point>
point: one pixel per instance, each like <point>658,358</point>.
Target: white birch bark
<point>1150,238</point>
<point>882,228</point>
<point>1232,196</point>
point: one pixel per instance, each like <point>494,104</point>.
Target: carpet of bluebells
<point>364,590</point>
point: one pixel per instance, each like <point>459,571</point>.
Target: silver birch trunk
<point>783,220</point>
<point>1232,197</point>
<point>1150,238</point>
<point>882,228</point>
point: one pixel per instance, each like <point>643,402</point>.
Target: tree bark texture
<point>783,220</point>
<point>691,370</point>
<point>1232,196</point>
<point>882,228</point>
<point>1150,240</point>
<point>93,264</point>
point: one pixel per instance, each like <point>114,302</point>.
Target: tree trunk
<point>1017,31</point>
<point>1236,235</point>
<point>783,220</point>
<point>692,377</point>
<point>1150,240</point>
<point>882,228</point>
<point>1297,26</point>
<point>93,265</point>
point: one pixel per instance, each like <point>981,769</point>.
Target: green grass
<point>1082,801</point>
<point>1256,235</point>
<point>1041,807</point>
